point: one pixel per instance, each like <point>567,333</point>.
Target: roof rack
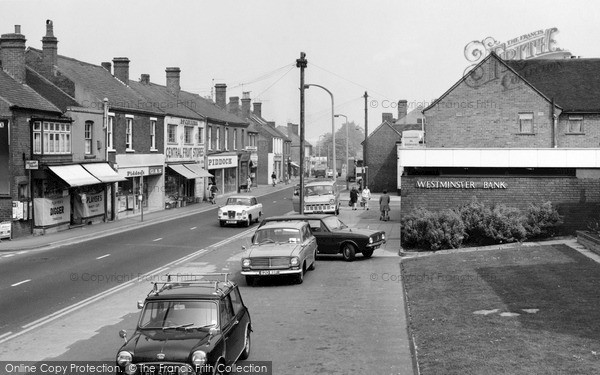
<point>198,279</point>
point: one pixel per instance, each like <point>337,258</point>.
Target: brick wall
<point>577,199</point>
<point>382,159</point>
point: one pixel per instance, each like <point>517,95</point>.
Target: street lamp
<point>346,117</point>
<point>332,124</point>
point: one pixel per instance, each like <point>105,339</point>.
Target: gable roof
<point>574,84</point>
<point>160,97</point>
<point>20,95</point>
<point>412,116</point>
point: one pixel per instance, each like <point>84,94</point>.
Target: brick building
<point>511,132</point>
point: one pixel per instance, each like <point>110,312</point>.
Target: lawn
<point>530,310</point>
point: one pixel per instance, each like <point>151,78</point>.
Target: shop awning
<point>74,175</point>
<point>197,169</point>
<point>103,172</point>
<point>187,173</point>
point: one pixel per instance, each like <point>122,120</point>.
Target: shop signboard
<point>130,172</point>
<point>52,211</point>
<point>88,205</point>
<point>218,162</point>
<point>5,229</point>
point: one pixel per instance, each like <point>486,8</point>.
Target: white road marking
<point>8,255</point>
<point>6,334</point>
<point>192,228</point>
<point>158,239</point>
<point>103,256</point>
<point>21,282</point>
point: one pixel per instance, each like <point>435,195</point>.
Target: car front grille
<point>266,263</point>
<point>318,207</point>
<point>231,214</point>
<point>163,368</point>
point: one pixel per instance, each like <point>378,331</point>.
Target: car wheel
<point>300,276</point>
<point>348,252</point>
<point>250,280</point>
<point>246,353</point>
<point>219,368</point>
<point>314,263</point>
<point>258,218</point>
<point>222,223</point>
<point>367,253</point>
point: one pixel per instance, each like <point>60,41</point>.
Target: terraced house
<point>512,132</point>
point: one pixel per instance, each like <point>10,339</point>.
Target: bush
<point>542,221</point>
<point>432,231</point>
<point>505,224</point>
<point>475,216</point>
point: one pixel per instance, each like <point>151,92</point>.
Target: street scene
<point>265,187</point>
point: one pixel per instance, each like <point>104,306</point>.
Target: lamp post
<point>332,124</point>
<point>346,117</point>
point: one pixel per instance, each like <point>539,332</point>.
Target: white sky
<point>393,49</point>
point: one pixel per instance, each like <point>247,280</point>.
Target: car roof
<point>241,196</point>
<point>286,224</point>
<point>193,292</point>
<point>296,217</point>
<point>320,182</point>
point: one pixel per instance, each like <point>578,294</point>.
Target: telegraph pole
<point>365,147</point>
<point>301,63</point>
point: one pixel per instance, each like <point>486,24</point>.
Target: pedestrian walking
<point>366,197</point>
<point>353,197</point>
<point>248,183</point>
<point>384,206</point>
<point>213,193</point>
<point>274,178</point>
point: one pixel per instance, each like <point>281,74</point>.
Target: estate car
<point>335,237</point>
<point>198,326</point>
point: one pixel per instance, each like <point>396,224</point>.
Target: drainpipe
<point>554,125</point>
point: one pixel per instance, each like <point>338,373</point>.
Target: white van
<point>320,197</point>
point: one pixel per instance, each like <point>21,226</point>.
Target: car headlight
<point>370,239</point>
<point>220,212</point>
<point>332,201</point>
<point>199,358</point>
<point>244,213</point>
<point>245,262</point>
<point>383,236</point>
<point>294,261</point>
<point>124,358</point>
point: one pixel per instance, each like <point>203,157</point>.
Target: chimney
<point>257,109</point>
<point>49,49</point>
<point>173,86</point>
<point>402,109</point>
<point>221,95</point>
<point>121,70</point>
<point>293,128</point>
<point>12,54</point>
<point>246,104</point>
<point>234,104</point>
<point>386,116</point>
<point>107,66</point>
<point>145,79</point>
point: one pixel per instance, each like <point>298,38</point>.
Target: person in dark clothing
<point>384,206</point>
<point>353,197</point>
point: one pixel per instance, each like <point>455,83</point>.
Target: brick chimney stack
<point>402,109</point>
<point>386,116</point>
<point>221,95</point>
<point>293,128</point>
<point>145,79</point>
<point>173,80</point>
<point>107,65</point>
<point>12,54</point>
<point>246,104</point>
<point>49,50</point>
<point>257,109</point>
<point>121,69</point>
<point>234,104</point>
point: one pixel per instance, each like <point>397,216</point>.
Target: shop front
<point>224,168</point>
<point>184,184</point>
<point>143,175</point>
<point>247,167</point>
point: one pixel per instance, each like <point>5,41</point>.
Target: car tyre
<point>222,223</point>
<point>367,253</point>
<point>219,370</point>
<point>314,263</point>
<point>300,276</point>
<point>250,280</point>
<point>259,216</point>
<point>348,252</point>
<point>246,353</point>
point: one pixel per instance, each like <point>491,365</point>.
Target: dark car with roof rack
<point>190,324</point>
<point>335,237</point>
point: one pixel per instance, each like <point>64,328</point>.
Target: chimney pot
<point>121,69</point>
<point>386,116</point>
<point>221,95</point>
<point>17,29</point>
<point>145,79</point>
<point>173,80</point>
<point>49,50</point>
<point>246,104</point>
<point>402,109</point>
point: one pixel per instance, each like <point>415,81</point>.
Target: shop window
<point>51,138</point>
<point>575,124</point>
<point>129,133</point>
<point>188,135</point>
<point>152,134</point>
<point>526,123</point>
<point>88,131</point>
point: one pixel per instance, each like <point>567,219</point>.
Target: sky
<point>391,49</point>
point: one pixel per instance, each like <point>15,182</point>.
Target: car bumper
<point>270,272</point>
<point>375,245</point>
<point>233,221</point>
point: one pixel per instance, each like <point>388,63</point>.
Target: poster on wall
<point>5,229</point>
<point>52,211</point>
<point>88,205</point>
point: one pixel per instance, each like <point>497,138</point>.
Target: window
<point>152,134</point>
<point>236,301</point>
<point>129,133</point>
<point>575,124</point>
<point>226,140</point>
<point>209,138</point>
<point>235,139</point>
<point>526,123</point>
<point>188,134</point>
<point>242,144</point>
<point>218,138</point>
<point>200,135</point>
<point>109,130</point>
<point>51,138</point>
<point>172,133</point>
<point>87,134</point>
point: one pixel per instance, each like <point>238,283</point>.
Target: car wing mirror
<point>123,335</point>
<point>140,304</point>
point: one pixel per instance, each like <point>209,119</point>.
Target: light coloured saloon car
<point>280,248</point>
<point>240,209</point>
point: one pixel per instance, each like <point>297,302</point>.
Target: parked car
<point>335,237</point>
<point>329,173</point>
<point>240,209</point>
<point>280,248</point>
<point>188,325</point>
<point>321,196</point>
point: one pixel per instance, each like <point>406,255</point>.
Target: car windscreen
<point>318,190</point>
<point>238,201</point>
<point>333,223</point>
<point>189,314</point>
<point>277,235</point>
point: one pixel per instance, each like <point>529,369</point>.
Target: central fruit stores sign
<point>457,184</point>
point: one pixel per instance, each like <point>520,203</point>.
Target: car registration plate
<point>231,222</point>
<point>269,272</point>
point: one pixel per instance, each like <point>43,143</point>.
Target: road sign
<point>31,164</point>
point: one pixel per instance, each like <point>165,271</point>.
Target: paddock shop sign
<point>440,184</point>
<point>218,162</point>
